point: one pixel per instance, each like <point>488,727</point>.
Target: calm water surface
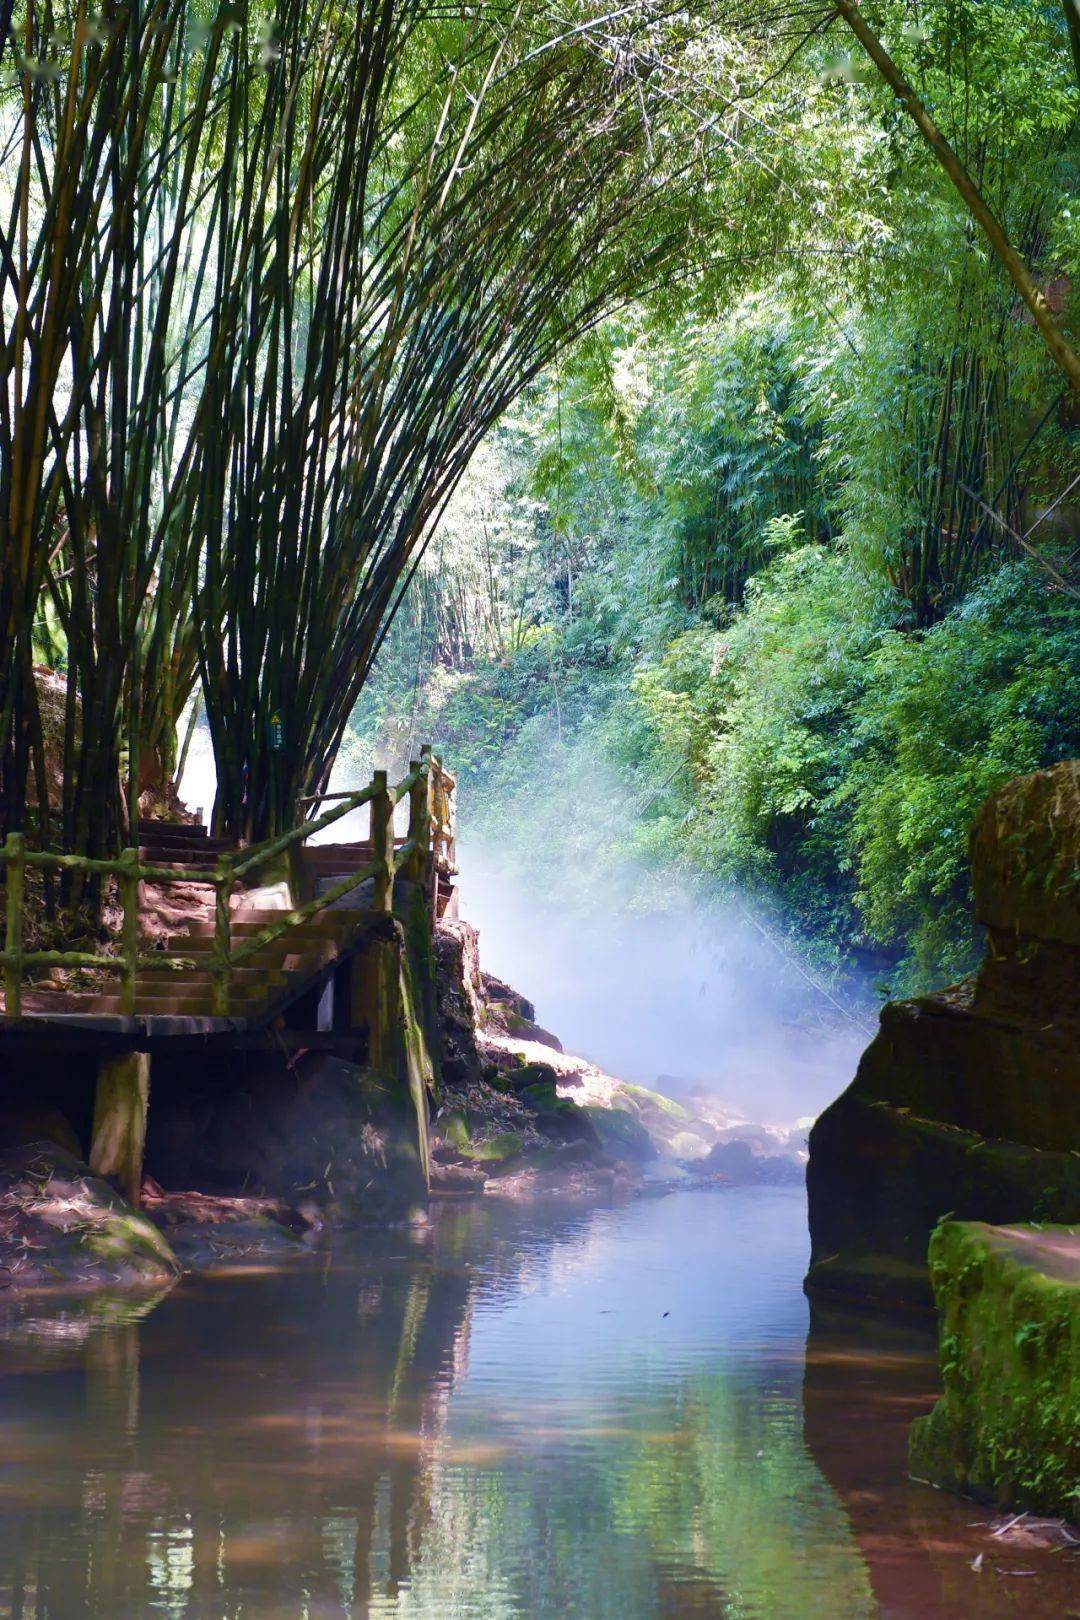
<point>615,1413</point>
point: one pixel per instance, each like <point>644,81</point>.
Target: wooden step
<point>177,858</point>
<point>280,956</point>
<point>338,857</point>
<point>245,979</point>
<point>334,925</point>
<point>149,828</point>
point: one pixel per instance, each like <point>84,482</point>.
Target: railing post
<point>223,883</point>
<point>15,849</point>
<point>420,818</point>
<point>382,843</point>
<point>129,937</point>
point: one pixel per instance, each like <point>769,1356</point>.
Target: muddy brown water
<point>516,1413</point>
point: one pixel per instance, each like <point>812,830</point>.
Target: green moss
<point>454,1130</point>
<point>641,1098</point>
<point>542,1096</point>
<point>621,1134</point>
<point>495,1149</point>
<point>1008,1426</point>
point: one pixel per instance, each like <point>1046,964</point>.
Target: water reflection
<point>507,1416</point>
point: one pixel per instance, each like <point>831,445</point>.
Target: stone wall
<point>967,1102</point>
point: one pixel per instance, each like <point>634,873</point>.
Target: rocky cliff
<point>967,1103</point>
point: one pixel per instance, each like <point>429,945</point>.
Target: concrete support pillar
<point>119,1135</point>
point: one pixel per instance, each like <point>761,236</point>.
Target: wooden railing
<point>413,858</point>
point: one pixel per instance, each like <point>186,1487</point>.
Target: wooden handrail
<point>258,854</point>
<point>411,858</point>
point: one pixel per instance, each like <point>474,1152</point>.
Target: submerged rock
<point>1007,1429</point>
<point>967,1102</point>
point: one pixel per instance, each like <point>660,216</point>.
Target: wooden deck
<point>282,946</point>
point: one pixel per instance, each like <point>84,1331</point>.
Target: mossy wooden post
<point>15,874</point>
<point>416,869</point>
<point>129,937</point>
<point>119,1134</point>
<point>382,843</point>
<point>373,1001</point>
<point>223,885</point>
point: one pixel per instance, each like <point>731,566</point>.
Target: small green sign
<point>277,733</point>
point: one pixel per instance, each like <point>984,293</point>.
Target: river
<point>614,1413</point>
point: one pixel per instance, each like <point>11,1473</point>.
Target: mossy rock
<point>621,1135</point>
<point>541,1095</point>
<point>880,1178</point>
<point>644,1101</point>
<point>530,1075</point>
<point>454,1130</point>
<point>65,1226</point>
<point>1007,1429</point>
<point>688,1145</point>
<point>558,1117</point>
<point>495,1149</point>
<point>1025,855</point>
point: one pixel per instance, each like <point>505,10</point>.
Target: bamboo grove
<point>269,272</point>
<point>271,269</point>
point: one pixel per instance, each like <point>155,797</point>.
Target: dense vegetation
<point>771,589</point>
<point>752,324</point>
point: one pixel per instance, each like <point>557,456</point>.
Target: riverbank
<point>245,1170</point>
<point>519,1117</point>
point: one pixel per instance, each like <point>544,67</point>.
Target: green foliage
<point>785,583</point>
<point>991,692</point>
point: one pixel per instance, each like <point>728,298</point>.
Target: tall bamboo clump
<point>270,269</point>
<point>113,122</point>
<point>424,206</point>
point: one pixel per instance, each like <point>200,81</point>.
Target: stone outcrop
<point>967,1103</point>
<point>1007,1429</point>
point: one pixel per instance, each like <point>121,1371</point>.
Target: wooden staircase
<point>211,951</point>
<point>271,977</point>
<point>200,946</point>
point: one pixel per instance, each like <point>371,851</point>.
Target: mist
<point>693,997</point>
<point>653,982</point>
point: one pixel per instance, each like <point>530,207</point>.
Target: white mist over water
<point>693,997</point>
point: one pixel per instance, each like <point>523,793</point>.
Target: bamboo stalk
<point>1065,357</point>
<point>13,937</point>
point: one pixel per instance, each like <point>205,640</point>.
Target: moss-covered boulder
<point>966,1103</point>
<point>557,1117</point>
<point>456,1140</point>
<point>1025,856</point>
<point>63,1227</point>
<point>621,1135</point>
<point>1007,1429</point>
